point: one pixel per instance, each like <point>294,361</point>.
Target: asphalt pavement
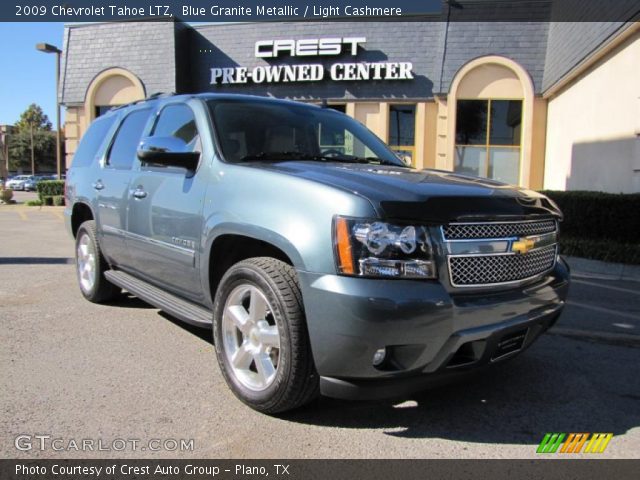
<point>603,306</point>
<point>74,371</point>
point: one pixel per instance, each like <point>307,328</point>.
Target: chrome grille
<point>463,231</point>
<point>485,270</point>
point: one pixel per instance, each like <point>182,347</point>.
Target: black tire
<point>295,382</point>
<point>101,290</point>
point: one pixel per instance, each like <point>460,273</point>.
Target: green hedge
<point>601,226</point>
<point>605,250</point>
<point>49,189</point>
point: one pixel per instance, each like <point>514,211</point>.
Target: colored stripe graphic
<point>569,444</point>
<point>581,443</point>
<point>598,442</point>
<point>550,443</point>
<point>574,442</point>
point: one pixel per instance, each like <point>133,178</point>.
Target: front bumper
<point>429,333</point>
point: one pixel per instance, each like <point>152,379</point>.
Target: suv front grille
<point>464,231</point>
<point>492,253</point>
<point>502,268</point>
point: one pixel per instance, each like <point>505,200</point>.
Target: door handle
<point>98,185</point>
<point>139,193</point>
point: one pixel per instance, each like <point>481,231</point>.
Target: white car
<point>17,182</point>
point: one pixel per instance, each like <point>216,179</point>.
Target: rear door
<point>165,211</point>
<point>112,186</point>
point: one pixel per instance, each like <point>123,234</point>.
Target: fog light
<point>379,357</point>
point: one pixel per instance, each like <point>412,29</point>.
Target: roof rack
<point>150,97</point>
<point>160,94</point>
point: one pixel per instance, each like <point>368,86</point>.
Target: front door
<point>165,213</point>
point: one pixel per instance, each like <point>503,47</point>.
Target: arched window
<point>490,106</point>
<point>488,138</point>
<point>110,88</point>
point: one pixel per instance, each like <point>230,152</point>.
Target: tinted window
<point>339,108</point>
<point>488,138</point>
<point>476,117</point>
<point>123,150</point>
<point>255,129</point>
<point>506,117</point>
<point>102,109</point>
<point>91,142</point>
<point>471,122</point>
<point>402,124</point>
<point>178,121</point>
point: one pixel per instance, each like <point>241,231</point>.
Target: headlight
<point>371,248</point>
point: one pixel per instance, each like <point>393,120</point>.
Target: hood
<point>432,196</point>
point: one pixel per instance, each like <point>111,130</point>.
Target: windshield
<point>266,131</point>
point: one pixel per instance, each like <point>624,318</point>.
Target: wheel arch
<point>80,213</point>
<point>233,243</point>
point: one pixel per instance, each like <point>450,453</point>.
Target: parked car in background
<point>17,182</point>
<point>31,185</point>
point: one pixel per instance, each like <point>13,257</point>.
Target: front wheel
<point>260,335</point>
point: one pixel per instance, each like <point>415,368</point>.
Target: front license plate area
<point>510,343</point>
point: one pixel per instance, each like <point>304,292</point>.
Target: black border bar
<point>550,467</point>
<point>411,10</point>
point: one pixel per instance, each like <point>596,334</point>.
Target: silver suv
<point>321,261</point>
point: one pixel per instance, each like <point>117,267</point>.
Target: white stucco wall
<point>593,127</point>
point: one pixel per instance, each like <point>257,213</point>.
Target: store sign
<point>311,72</point>
<point>308,47</point>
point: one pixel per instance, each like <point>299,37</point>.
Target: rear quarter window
<point>94,138</point>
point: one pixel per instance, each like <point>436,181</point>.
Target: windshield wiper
<point>279,156</point>
<point>302,156</point>
<point>356,159</point>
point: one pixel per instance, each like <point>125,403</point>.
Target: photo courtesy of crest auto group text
<point>302,240</point>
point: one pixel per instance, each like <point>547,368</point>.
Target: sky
<point>27,75</point>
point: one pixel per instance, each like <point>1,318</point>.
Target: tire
<point>259,321</point>
<point>91,265</point>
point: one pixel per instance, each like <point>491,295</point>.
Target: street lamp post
<point>4,145</point>
<point>47,48</point>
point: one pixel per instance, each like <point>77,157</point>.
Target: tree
<point>33,135</point>
<point>34,117</point>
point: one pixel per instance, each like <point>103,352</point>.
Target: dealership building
<point>542,104</point>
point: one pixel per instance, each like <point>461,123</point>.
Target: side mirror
<point>168,152</point>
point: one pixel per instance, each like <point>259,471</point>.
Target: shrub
<point>605,250</point>
<point>612,216</point>
<point>58,200</point>
<point>601,226</point>
<point>33,203</point>
<point>50,188</point>
<point>6,194</point>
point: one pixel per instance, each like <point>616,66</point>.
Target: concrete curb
<point>27,208</point>
<point>583,267</point>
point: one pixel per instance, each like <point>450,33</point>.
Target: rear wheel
<point>91,265</point>
<point>261,339</point>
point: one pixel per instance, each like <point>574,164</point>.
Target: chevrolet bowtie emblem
<point>523,245</point>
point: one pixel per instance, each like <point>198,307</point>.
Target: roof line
<point>612,42</point>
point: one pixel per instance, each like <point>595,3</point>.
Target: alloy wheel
<point>86,263</point>
<point>251,337</point>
